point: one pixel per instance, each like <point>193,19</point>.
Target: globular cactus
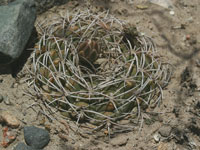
<point>96,69</point>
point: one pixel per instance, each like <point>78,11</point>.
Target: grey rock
<point>165,131</point>
<point>119,141</point>
<point>22,146</point>
<point>43,5</point>
<point>7,100</point>
<point>5,2</point>
<point>36,137</point>
<point>16,25</point>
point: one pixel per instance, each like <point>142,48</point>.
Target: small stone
<point>14,85</point>
<point>188,37</point>
<point>165,131</point>
<point>7,100</point>
<point>156,137</point>
<point>22,146</point>
<point>172,12</point>
<point>36,137</point>
<point>119,142</point>
<point>190,19</point>
<point>142,33</point>
<point>9,119</point>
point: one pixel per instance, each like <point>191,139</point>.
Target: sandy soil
<point>178,40</point>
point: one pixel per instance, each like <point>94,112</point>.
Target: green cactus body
<point>100,69</point>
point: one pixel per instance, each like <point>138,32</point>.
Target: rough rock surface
<point>36,137</point>
<point>16,25</point>
<point>43,5</point>
<point>5,2</point>
<point>22,146</point>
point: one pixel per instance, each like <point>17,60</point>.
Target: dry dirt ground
<point>178,116</point>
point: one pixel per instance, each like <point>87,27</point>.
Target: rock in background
<point>43,5</point>
<point>5,2</point>
<point>16,25</point>
<point>36,137</point>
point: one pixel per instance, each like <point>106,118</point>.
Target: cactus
<point>96,69</point>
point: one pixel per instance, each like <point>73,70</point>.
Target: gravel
<point>36,137</point>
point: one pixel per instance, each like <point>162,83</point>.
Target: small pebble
<point>165,131</point>
<point>7,100</point>
<point>15,85</point>
<point>156,137</point>
<point>36,137</point>
<point>190,20</point>
<point>22,146</point>
<point>9,119</point>
<point>172,12</point>
<point>121,142</point>
<point>187,37</point>
<point>142,33</point>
